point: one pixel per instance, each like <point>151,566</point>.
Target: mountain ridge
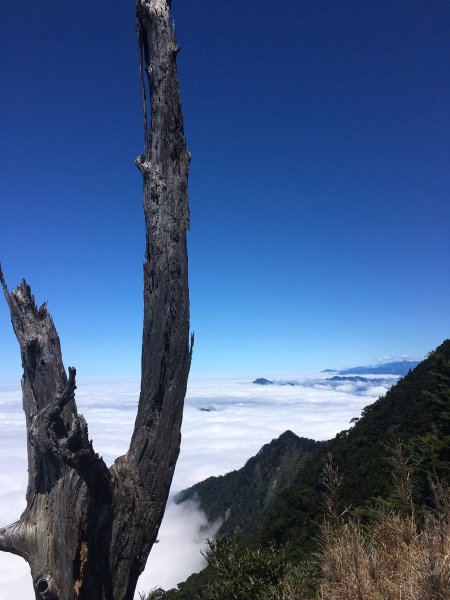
<point>399,367</point>
<point>414,412</point>
<point>243,497</point>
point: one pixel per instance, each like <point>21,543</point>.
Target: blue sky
<point>320,135</point>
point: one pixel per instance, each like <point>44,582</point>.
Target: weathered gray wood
<point>145,473</point>
<point>69,486</point>
<point>87,530</point>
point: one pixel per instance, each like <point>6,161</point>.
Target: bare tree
<point>88,529</point>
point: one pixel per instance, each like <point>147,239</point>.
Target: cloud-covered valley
<point>226,420</point>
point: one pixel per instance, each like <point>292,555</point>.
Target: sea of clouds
<point>226,420</point>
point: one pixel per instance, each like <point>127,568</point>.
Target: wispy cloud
<point>181,522</point>
<point>225,422</point>
<point>396,358</point>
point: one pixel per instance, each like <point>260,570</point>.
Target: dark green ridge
<point>415,411</point>
<point>242,498</point>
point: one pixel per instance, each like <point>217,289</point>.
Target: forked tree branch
<point>69,486</point>
<point>87,531</point>
<point>72,447</point>
<point>54,424</point>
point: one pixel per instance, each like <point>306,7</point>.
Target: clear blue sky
<point>320,180</point>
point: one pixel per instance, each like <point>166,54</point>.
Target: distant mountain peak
<point>399,367</point>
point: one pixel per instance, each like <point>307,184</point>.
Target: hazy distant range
<point>397,368</point>
<point>226,420</point>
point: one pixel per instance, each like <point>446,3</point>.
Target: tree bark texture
<point>87,530</point>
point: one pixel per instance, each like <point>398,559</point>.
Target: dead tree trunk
<point>87,530</point>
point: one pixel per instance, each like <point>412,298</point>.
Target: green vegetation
<point>242,573</point>
<point>242,498</point>
<point>380,501</point>
<point>416,411</point>
<point>398,555</point>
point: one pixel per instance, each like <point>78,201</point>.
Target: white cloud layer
<point>226,420</point>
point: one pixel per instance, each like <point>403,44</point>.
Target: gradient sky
<point>320,180</point>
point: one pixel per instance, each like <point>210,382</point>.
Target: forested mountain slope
<point>415,412</point>
<point>242,498</point>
